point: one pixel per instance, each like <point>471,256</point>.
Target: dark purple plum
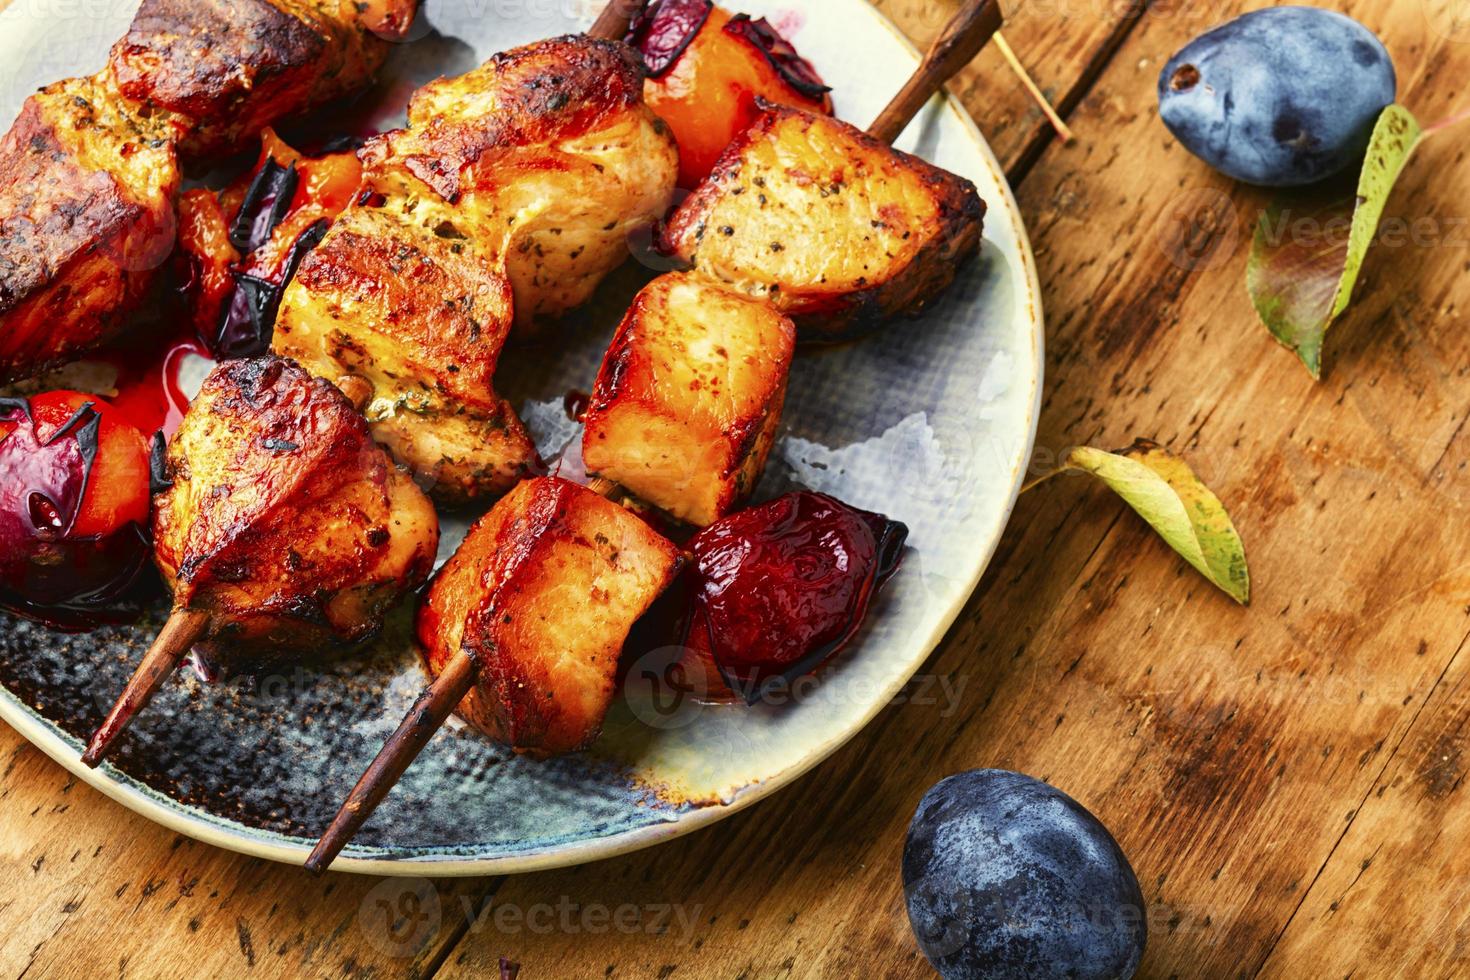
<point>1279,97</point>
<point>1007,877</point>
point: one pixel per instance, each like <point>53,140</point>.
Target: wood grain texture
<point>92,889</point>
<point>1287,779</point>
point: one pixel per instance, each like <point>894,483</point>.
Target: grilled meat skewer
<point>508,198</point>
<point>522,631</point>
<point>804,216</point>
<point>90,170</point>
<point>832,225</point>
<point>285,528</point>
<point>543,621</point>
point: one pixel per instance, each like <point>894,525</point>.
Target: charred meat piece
<point>551,146</point>
<point>86,222</point>
<point>285,522</point>
<point>689,397</point>
<point>88,172</point>
<point>400,306</point>
<point>230,67</point>
<point>837,229</point>
<point>509,196</point>
<point>541,595</point>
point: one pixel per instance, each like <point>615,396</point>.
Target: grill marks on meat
<point>508,197</point>
<point>837,229</point>
<point>284,520</point>
<point>89,171</point>
<point>392,297</point>
<point>232,67</point>
<point>86,221</point>
<point>542,593</point>
<point>552,147</point>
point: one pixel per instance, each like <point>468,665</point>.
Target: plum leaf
<point>1309,247</point>
<point>1164,491</point>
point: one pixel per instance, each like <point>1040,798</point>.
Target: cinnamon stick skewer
<point>966,34</point>
<point>184,628</point>
<point>955,47</point>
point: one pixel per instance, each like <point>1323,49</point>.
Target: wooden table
<point>1286,779</point>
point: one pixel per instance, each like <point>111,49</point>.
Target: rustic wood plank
<point>1228,749</point>
<point>92,889</point>
<point>1064,45</point>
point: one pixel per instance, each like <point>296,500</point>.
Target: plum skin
<point>1279,97</point>
<point>1007,877</point>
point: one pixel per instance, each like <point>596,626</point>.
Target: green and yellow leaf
<point>1164,491</point>
<point>1309,246</point>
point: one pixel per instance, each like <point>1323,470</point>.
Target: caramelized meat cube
<point>232,67</point>
<point>837,229</point>
<point>86,222</point>
<point>401,297</point>
<point>285,521</point>
<point>552,146</point>
<point>689,397</point>
<point>542,593</point>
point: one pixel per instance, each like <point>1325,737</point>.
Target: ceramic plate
<point>929,422</point>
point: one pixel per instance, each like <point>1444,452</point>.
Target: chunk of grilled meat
<point>285,522</point>
<point>509,195</point>
<point>542,594</point>
<point>689,397</point>
<point>88,172</point>
<point>552,146</point>
<point>86,221</point>
<point>402,299</point>
<point>228,68</point>
<point>837,229</point>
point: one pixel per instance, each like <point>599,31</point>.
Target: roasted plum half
<point>73,508</point>
<point>239,247</point>
<point>779,588</point>
<point>707,67</point>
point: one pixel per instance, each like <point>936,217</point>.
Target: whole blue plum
<point>1007,877</point>
<point>1281,97</point>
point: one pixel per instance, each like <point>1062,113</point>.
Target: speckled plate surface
<point>929,422</point>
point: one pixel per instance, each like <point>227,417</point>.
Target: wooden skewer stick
<point>602,486</point>
<point>1063,130</point>
<point>612,23</point>
<point>182,631</point>
<point>959,42</point>
<point>428,713</point>
<point>185,627</point>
